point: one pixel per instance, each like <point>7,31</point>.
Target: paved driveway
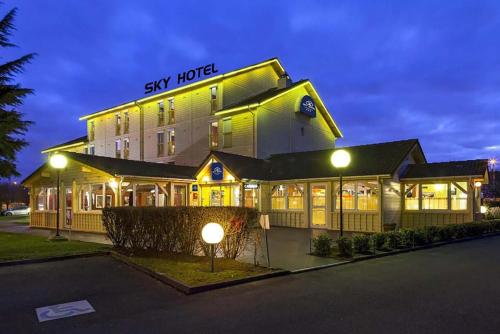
<point>451,289</point>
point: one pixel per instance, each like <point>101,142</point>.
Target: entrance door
<point>179,195</point>
<point>318,204</point>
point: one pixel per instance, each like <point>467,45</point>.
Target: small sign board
<point>217,171</point>
<point>264,222</point>
<point>251,186</point>
<point>66,310</point>
<point>194,187</point>
<point>307,106</point>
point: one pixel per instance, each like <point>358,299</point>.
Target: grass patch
<point>23,220</point>
<point>195,270</point>
<point>15,246</point>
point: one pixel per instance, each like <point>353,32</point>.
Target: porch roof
<point>470,168</point>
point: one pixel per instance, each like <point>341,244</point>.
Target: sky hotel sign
<point>182,78</point>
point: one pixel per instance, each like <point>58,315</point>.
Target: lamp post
<point>212,234</point>
<point>58,162</point>
<point>340,159</point>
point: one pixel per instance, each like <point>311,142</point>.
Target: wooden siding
<point>82,221</point>
<point>420,219</point>
<point>357,221</point>
<point>288,219</point>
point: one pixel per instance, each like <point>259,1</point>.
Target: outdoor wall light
<point>477,184</point>
<point>340,159</point>
<point>212,234</point>
<point>113,184</point>
<point>58,162</point>
<point>483,209</point>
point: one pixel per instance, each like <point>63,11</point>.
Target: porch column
<point>134,194</point>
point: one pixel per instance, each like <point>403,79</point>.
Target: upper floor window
<point>92,149</point>
<point>213,98</point>
<point>118,124</point>
<point>161,113</point>
<point>118,148</point>
<point>160,148</point>
<point>213,133</point>
<point>91,131</point>
<point>227,132</point>
<point>171,111</point>
<point>126,148</point>
<point>125,122</point>
<point>171,142</point>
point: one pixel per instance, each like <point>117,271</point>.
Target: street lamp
<point>340,159</point>
<point>212,234</point>
<point>58,162</point>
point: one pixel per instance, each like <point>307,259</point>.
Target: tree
<point>12,125</point>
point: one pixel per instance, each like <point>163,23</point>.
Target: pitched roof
<point>262,96</point>
<point>366,160</point>
<point>447,169</point>
<point>244,167</point>
<point>82,139</point>
<point>124,167</point>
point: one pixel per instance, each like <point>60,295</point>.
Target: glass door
<point>318,205</point>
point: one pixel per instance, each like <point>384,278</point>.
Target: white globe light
<point>58,161</point>
<point>477,184</point>
<point>340,158</point>
<point>212,233</point>
<point>483,209</point>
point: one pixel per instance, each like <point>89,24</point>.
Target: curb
<point>394,252</point>
<point>52,258</point>
<point>188,289</point>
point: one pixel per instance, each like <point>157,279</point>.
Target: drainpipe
<point>141,131</point>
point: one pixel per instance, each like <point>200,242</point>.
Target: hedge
<point>178,229</point>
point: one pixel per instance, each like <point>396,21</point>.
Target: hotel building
<point>254,138</point>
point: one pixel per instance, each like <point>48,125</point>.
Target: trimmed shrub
<point>446,232</point>
<point>378,240</point>
<point>178,229</point>
<point>420,237</point>
<point>407,237</point>
<point>493,213</point>
<point>393,239</point>
<point>322,245</point>
<point>344,246</point>
<point>431,233</point>
<point>361,243</point>
<point>459,231</point>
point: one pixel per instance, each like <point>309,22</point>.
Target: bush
<point>407,237</point>
<point>459,231</point>
<point>345,246</point>
<point>361,243</point>
<point>322,245</point>
<point>431,233</point>
<point>178,229</point>
<point>446,232</point>
<point>420,237</point>
<point>393,239</point>
<point>378,240</point>
<point>493,213</point>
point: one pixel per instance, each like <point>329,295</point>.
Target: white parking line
<point>59,311</point>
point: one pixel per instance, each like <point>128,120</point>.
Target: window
<point>91,130</point>
<point>367,195</point>
<point>411,196</point>
<point>161,143</point>
<point>213,98</point>
<point>126,148</point>
<point>92,149</point>
<point>126,121</point>
<point>41,200</point>
<point>118,123</point>
<point>435,196</point>
<point>171,142</point>
<point>171,111</point>
<point>287,197</point>
<point>179,195</point>
<point>96,196</point>
<point>251,197</point>
<point>118,148</point>
<point>213,134</point>
<point>348,196</point>
<point>227,132</point>
<point>161,113</point>
<point>458,192</point>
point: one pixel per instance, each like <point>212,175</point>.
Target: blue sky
<point>387,70</point>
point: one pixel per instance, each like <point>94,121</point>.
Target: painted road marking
<point>59,311</point>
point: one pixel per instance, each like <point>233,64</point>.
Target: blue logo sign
<point>217,171</point>
<point>307,106</point>
<point>194,187</point>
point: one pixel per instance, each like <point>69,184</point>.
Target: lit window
<point>171,111</point>
<point>214,135</point>
<point>367,196</point>
<point>161,144</point>
<point>161,113</point>
<point>171,142</point>
<point>411,196</point>
<point>41,200</point>
<point>458,192</point>
<point>227,132</point>
<point>126,121</point>
<point>118,148</point>
<point>91,130</point>
<point>435,196</point>
<point>295,195</point>
<point>251,198</point>
<point>348,196</point>
<point>213,98</point>
<point>278,197</point>
<point>126,148</point>
<point>118,121</point>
